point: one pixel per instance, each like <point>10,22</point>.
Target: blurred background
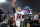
<point>34,4</point>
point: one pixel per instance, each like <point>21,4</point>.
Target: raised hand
<point>14,0</point>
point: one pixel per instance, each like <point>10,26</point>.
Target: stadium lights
<point>2,0</point>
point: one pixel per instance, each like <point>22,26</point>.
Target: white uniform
<point>18,17</point>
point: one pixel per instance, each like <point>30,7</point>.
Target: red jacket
<point>14,21</point>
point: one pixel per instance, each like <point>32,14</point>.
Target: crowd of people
<point>20,20</point>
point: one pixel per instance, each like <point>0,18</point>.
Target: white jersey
<point>18,15</point>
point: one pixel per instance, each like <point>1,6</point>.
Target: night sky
<point>34,4</point>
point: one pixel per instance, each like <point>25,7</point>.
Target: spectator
<point>37,25</point>
<point>10,21</point>
<point>1,19</point>
<point>36,17</point>
<point>3,24</point>
<point>1,11</point>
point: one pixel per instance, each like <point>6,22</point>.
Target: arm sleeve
<point>13,10</point>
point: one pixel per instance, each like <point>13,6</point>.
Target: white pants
<point>18,23</point>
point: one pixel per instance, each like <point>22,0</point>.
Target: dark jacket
<point>4,25</point>
<point>1,11</point>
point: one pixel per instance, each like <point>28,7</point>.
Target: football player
<point>19,16</point>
